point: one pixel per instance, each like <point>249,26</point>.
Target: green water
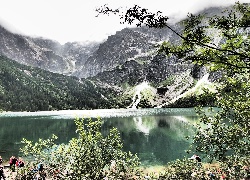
<point>156,135</point>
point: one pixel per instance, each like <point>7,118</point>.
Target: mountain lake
<point>156,135</point>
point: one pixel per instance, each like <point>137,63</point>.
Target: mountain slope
<point>25,88</point>
<point>44,53</point>
<point>126,45</point>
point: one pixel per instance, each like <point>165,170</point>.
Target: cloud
<point>182,8</point>
<point>74,20</point>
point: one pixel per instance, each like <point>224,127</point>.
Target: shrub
<point>90,156</point>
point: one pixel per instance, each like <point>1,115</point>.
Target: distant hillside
<point>25,88</point>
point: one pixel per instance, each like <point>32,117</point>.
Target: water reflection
<point>157,138</point>
<point>14,129</point>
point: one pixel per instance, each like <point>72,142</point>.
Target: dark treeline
<point>24,88</point>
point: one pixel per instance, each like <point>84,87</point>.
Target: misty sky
<point>74,20</point>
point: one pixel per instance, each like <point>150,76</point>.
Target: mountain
<point>126,45</point>
<point>84,60</point>
<point>123,71</point>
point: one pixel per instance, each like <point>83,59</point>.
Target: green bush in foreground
<point>90,156</point>
<point>234,169</point>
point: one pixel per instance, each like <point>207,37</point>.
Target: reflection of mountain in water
<point>140,126</point>
<point>173,124</point>
<point>156,139</point>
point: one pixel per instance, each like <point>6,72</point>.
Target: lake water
<point>156,135</point>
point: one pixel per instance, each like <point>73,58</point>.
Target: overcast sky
<point>74,20</point>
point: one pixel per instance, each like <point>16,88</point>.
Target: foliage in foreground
<point>90,156</point>
<point>235,168</point>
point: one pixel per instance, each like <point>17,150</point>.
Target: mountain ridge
<point>43,53</point>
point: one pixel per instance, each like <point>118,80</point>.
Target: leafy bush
<point>235,168</point>
<point>90,156</point>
